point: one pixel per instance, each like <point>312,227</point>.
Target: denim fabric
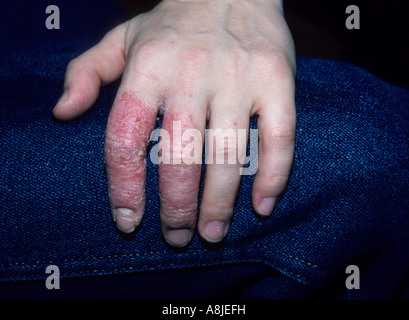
<point>346,202</point>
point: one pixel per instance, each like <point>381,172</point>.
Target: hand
<point>193,62</point>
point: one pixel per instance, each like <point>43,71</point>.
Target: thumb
<point>102,64</point>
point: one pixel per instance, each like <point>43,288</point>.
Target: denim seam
<point>150,253</point>
<point>147,267</point>
<point>163,266</point>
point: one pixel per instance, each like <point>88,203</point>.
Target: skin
<point>215,62</point>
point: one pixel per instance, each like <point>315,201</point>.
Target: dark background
<point>318,27</point>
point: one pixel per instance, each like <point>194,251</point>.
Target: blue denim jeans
<point>346,202</point>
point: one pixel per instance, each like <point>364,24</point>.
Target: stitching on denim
<point>295,258</point>
<point>162,265</point>
<point>151,253</point>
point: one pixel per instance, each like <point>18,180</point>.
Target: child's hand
<point>192,61</point>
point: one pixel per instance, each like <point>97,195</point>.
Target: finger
<point>276,125</point>
<point>130,124</point>
<point>102,64</point>
<point>179,171</point>
<point>226,150</point>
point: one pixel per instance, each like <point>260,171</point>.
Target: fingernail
<point>266,206</point>
<point>178,238</point>
<point>214,231</point>
<point>126,219</point>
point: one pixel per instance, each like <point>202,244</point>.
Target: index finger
<point>129,127</point>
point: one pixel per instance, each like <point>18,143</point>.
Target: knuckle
<point>274,181</point>
<point>145,57</point>
<point>222,208</point>
<point>195,56</point>
<point>178,190</point>
<point>146,50</point>
<point>127,193</point>
<point>121,151</point>
<point>284,133</point>
<point>225,146</point>
<point>121,146</point>
<point>193,63</point>
<point>227,154</point>
<point>179,218</point>
<point>73,65</point>
<point>274,64</point>
<point>118,139</point>
<point>236,63</point>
